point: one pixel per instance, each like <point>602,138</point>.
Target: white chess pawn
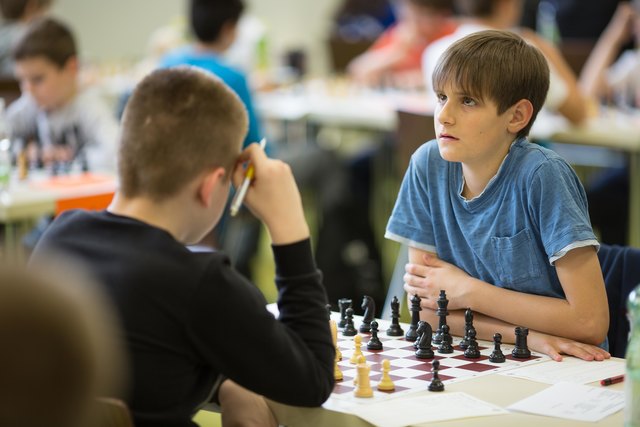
<point>357,351</point>
<point>385,383</point>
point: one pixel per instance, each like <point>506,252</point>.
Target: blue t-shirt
<point>232,77</point>
<point>531,213</point>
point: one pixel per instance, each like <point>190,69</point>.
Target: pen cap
<point>632,375</point>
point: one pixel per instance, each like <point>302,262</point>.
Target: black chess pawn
<point>468,324</point>
<point>374,342</point>
<point>415,310</point>
<point>442,314</point>
<point>349,330</point>
<point>521,350</point>
<point>328,307</point>
<point>369,307</point>
<point>424,350</point>
<point>445,346</point>
<point>395,330</point>
<point>496,355</point>
<point>343,304</point>
<point>472,351</point>
<point>436,384</point>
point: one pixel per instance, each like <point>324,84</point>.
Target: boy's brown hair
<point>436,5</point>
<point>178,123</point>
<point>14,10</point>
<point>496,65</point>
<point>46,38</point>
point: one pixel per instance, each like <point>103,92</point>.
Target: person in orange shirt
<point>395,58</point>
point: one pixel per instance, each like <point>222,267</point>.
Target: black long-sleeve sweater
<point>190,317</point>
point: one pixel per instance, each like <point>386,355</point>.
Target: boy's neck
<point>477,176</point>
<point>217,48</point>
<point>166,215</point>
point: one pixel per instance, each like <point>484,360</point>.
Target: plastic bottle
<point>5,152</point>
<point>632,375</point>
<point>547,25</point>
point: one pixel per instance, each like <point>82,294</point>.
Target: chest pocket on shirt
<point>516,260</point>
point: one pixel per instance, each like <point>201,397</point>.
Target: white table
<point>27,201</point>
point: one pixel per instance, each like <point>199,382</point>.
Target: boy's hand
<point>241,407</point>
<point>273,196</point>
<point>555,347</point>
<point>428,280</point>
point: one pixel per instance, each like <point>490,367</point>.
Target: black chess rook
<point>521,350</point>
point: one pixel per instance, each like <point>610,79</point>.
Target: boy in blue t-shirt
<point>499,223</point>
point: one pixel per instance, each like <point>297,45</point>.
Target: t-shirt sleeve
<point>411,221</point>
<point>289,359</point>
<point>558,204</point>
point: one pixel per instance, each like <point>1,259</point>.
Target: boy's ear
<point>208,185</point>
<point>520,116</point>
<point>72,65</point>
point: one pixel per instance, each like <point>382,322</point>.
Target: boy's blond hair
<point>495,65</point>
<point>179,123</point>
<point>46,38</point>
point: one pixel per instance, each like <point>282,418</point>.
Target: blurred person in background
<point>395,57</point>
<point>61,348</point>
<point>16,15</point>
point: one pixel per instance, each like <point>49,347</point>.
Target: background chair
<point>621,271</point>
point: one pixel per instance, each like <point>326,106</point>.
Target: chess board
<point>411,374</point>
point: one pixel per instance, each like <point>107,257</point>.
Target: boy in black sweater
<point>190,320</point>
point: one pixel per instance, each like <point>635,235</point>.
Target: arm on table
<point>583,316</point>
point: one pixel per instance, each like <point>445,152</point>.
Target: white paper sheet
<point>422,409</point>
<point>573,402</point>
<point>571,370</point>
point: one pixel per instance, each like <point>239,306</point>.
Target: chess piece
<point>521,350</point>
<point>386,384</point>
<point>343,304</point>
<point>445,346</point>
<point>442,314</point>
<point>436,384</point>
<point>334,336</point>
<point>349,330</point>
<point>472,351</point>
<point>369,307</point>
<point>337,373</point>
<point>415,309</point>
<point>395,330</point>
<point>424,350</point>
<point>363,385</point>
<point>496,355</point>
<point>357,349</point>
<point>374,343</point>
<point>468,323</point>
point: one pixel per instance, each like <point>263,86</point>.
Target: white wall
<point>120,29</point>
